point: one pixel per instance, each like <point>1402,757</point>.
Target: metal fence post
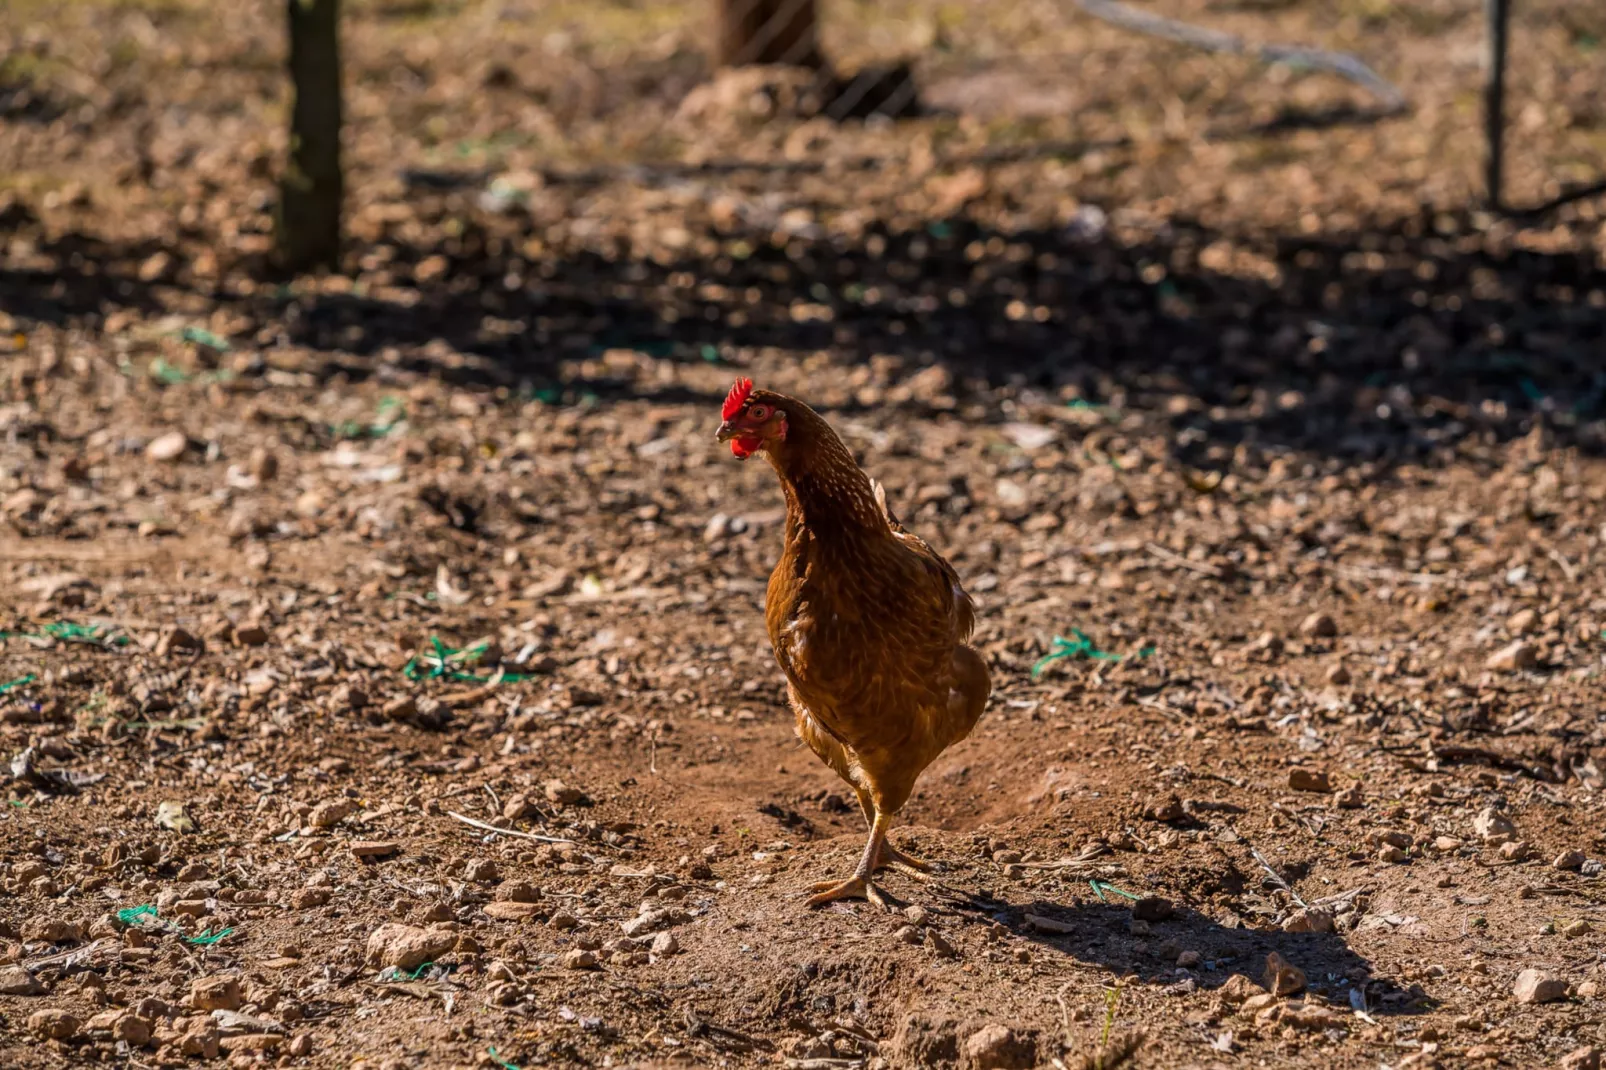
<point>1498,17</point>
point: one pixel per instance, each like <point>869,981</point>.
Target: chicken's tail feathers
<point>881,501</point>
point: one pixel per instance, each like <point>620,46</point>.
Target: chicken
<point>868,623</point>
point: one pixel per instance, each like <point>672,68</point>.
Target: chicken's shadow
<point>1103,934</point>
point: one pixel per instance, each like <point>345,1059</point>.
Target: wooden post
<point>767,31</point>
<point>1497,14</point>
<point>311,191</point>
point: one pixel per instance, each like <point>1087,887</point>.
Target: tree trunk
<point>310,193</point>
<point>768,31</point>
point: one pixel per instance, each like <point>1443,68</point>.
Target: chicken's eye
<point>758,412</point>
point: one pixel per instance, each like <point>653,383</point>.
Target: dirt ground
<point>1205,378</point>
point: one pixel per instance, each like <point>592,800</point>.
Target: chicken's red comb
<point>736,398</point>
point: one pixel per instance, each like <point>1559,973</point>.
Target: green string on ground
<point>444,664</point>
<point>1100,887</point>
<point>208,937</point>
<point>131,915</point>
<point>21,681</point>
<point>1079,647</point>
<point>67,631</point>
<point>503,1063</point>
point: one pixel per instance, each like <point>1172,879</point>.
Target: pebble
<point>1577,928</point>
<point>1446,844</point>
<point>1189,960</point>
<point>167,447</point>
<point>510,911</point>
<point>1319,625</point>
<point>516,891</point>
<point>482,871</point>
<point>1523,622</point>
<point>665,944</point>
<point>1513,657</point>
<point>407,947</point>
<point>1164,808</point>
<point>1152,908</point>
<point>940,944</point>
<point>1535,986</point>
<point>17,981</point>
<point>1392,854</point>
<point>653,920</point>
<point>1338,675</point>
<point>996,1047</point>
<point>558,792</point>
<point>53,1024</point>
<point>915,913</point>
<point>1569,860</point>
<point>1585,1058</point>
<point>216,993</point>
<point>329,814</point>
<point>1302,779</point>
<point>307,898</point>
<point>1309,920</point>
<point>911,934</point>
<point>1515,850</point>
<point>579,959</point>
<point>1492,826</point>
<point>372,849</point>
<point>1349,799</point>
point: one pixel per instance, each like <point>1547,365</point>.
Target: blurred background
<point>1027,188</point>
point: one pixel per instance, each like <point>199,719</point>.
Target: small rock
<point>407,947</point>
<point>915,913</point>
<point>518,806</point>
<point>1302,779</point>
<point>940,944</point>
<point>1581,1059</point>
<point>1283,978</point>
<point>563,920</point>
<point>1515,850</point>
<point>558,792</point>
<point>329,814</point>
<point>264,466</point>
<point>168,447</point>
<point>1588,990</point>
<point>482,871</point>
<point>921,1040</point>
<point>1350,798</point>
<point>1189,960</point>
<point>1523,622</point>
<point>1446,844</point>
<point>1238,988</point>
<point>1513,657</point>
<point>216,993</point>
<point>1270,644</point>
<point>1492,826</point>
<point>995,1047</point>
<point>1309,920</point>
<point>1577,928</point>
<point>1534,986</point>
<point>516,891</point>
<point>177,640</point>
<point>1338,675</point>
<point>1392,854</point>
<point>307,898</point>
<point>1164,808</point>
<point>509,911</point>
<point>665,944</point>
<point>369,850</point>
<point>1319,626</point>
<point>910,934</point>
<point>579,959</point>
<point>653,920</point>
<point>1152,908</point>
<point>53,1025</point>
<point>17,981</point>
<point>1569,860</point>
<point>251,635</point>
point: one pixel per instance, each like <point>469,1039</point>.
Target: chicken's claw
<point>853,888</point>
<point>906,864</point>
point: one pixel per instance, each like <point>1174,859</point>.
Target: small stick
<point>509,832</point>
<point>1284,885</point>
<point>1182,562</point>
<point>1566,566</point>
<point>494,799</point>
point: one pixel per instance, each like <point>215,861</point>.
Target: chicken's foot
<point>906,864</point>
<point>860,885</point>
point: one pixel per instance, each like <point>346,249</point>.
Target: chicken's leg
<point>858,886</point>
<point>890,855</point>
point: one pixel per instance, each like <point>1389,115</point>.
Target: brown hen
<point>868,623</point>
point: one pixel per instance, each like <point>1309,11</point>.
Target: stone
<point>1338,675</point>
<point>665,944</point>
<point>940,944</point>
<point>652,921</point>
<point>1569,860</point>
<point>1349,799</point>
<point>516,891</point>
<point>560,793</point>
<point>329,814</point>
<point>1523,622</point>
<point>1319,626</point>
<point>563,920</point>
<point>307,898</point>
<point>482,871</point>
<point>371,850</point>
<point>505,910</point>
<point>1309,920</point>
<point>53,1024</point>
<point>216,993</point>
<point>1513,657</point>
<point>1581,1059</point>
<point>1237,988</point>
<point>921,1040</point>
<point>17,981</point>
<point>1515,850</point>
<point>1492,826</point>
<point>1152,908</point>
<point>1282,978</point>
<point>1577,928</point>
<point>1164,808</point>
<point>1189,960</point>
<point>1392,854</point>
<point>1302,779</point>
<point>579,959</point>
<point>518,806</point>
<point>1536,986</point>
<point>997,1047</point>
<point>407,947</point>
<point>168,447</point>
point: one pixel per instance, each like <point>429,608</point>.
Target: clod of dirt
<point>1164,808</point>
<point>921,1040</point>
<point>406,947</point>
<point>17,981</point>
<point>1282,978</point>
<point>1152,908</point>
<point>1513,657</point>
<point>53,1024</point>
<point>997,1047</point>
<point>1536,986</point>
<point>216,993</point>
<point>1302,779</point>
<point>1492,826</point>
<point>168,447</point>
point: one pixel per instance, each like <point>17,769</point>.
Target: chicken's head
<point>752,419</point>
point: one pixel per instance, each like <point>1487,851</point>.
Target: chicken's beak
<point>726,432</point>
